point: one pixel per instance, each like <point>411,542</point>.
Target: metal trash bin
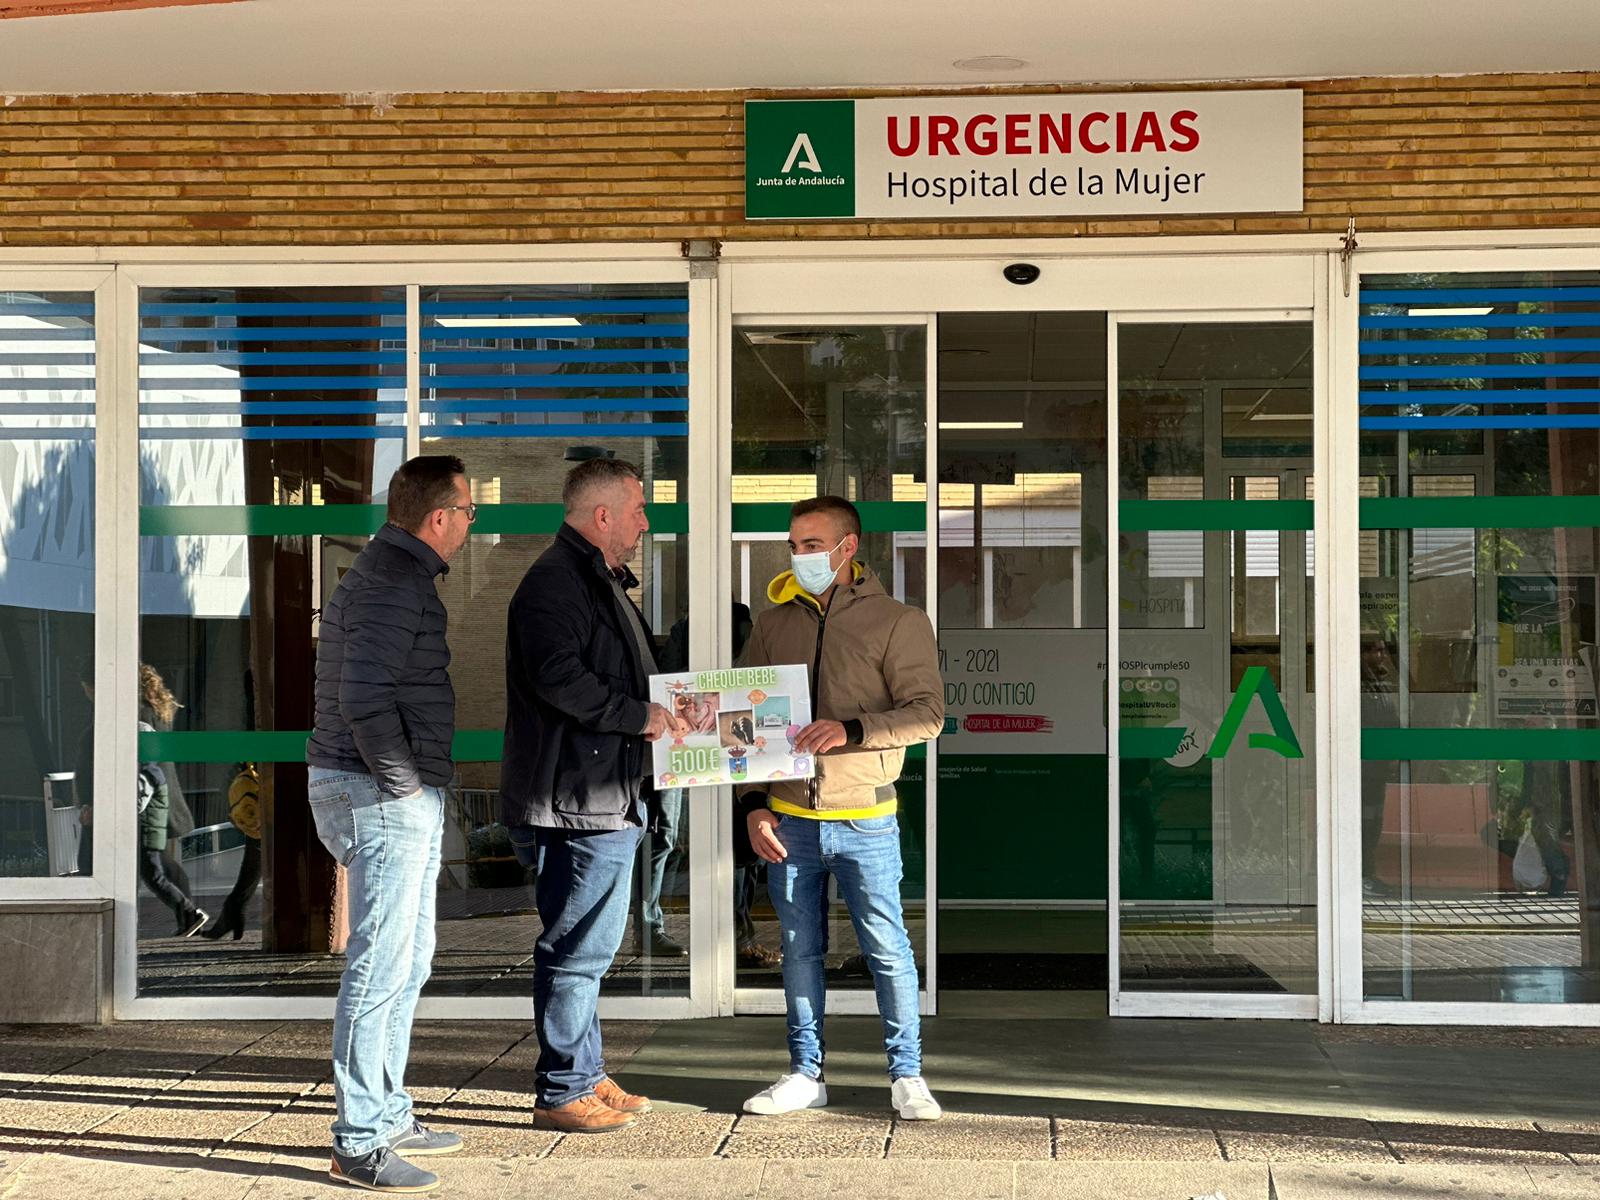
<point>62,828</point>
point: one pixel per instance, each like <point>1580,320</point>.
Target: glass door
<point>841,408</point>
<point>1213,792</point>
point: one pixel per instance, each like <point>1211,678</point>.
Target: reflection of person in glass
<point>1544,800</point>
<point>155,800</point>
<point>244,810</point>
<point>876,689</point>
<point>1379,709</point>
<point>83,774</point>
<point>157,708</point>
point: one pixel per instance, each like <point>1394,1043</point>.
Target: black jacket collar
<point>581,546</point>
<point>425,554</point>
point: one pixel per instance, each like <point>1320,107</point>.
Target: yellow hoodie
<point>872,661</point>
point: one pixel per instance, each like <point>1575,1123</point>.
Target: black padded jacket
<point>384,703</point>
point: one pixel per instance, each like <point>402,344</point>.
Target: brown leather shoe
<point>585,1115</point>
<point>613,1097</point>
<point>757,956</point>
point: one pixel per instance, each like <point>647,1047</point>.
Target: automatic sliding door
<point>840,409</point>
<point>1214,862</point>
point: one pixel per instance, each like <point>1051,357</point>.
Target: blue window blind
<point>555,362</point>
<point>1463,352</point>
<point>47,461</point>
<point>47,366</point>
<point>230,365</point>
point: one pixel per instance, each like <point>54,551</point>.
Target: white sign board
<point>956,158</point>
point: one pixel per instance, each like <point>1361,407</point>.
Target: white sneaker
<point>913,1101</point>
<point>790,1094</point>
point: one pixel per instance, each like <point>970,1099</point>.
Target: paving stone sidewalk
<point>1088,1109</point>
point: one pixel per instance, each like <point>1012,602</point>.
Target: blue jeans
<point>390,851</point>
<point>582,895</point>
<point>864,856</point>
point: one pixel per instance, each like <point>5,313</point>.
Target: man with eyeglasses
<point>379,760</point>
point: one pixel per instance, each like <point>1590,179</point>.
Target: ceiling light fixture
<point>505,322</point>
<point>1450,312</point>
<point>990,62</point>
<point>792,337</point>
<point>980,424</point>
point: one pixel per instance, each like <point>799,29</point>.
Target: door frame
<point>853,1001</point>
<point>117,559</point>
<point>1473,256</point>
<point>822,284</point>
<point>115,715</point>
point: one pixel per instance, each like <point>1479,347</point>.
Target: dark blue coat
<point>384,702</point>
<point>575,696</point>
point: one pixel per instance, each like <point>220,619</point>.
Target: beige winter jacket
<point>871,660</point>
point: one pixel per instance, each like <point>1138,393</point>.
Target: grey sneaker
<point>380,1171</point>
<point>422,1140</point>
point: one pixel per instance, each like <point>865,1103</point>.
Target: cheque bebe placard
<point>734,725</point>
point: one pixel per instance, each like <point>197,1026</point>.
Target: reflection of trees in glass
<point>847,406</point>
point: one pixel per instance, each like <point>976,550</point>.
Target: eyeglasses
<point>470,509</point>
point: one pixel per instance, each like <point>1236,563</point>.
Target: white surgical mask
<point>815,572</point>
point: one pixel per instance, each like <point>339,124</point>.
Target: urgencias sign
<point>957,158</point>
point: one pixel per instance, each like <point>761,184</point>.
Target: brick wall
<point>1502,150</point>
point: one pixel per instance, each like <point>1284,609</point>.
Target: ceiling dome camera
<point>1021,273</point>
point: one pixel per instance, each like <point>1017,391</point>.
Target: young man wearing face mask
<point>875,689</point>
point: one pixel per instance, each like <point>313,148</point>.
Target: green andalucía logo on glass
<point>1257,684</point>
<point>799,158</point>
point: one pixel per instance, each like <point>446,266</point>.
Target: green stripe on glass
<point>1386,512</point>
<point>225,746</point>
<point>259,520</point>
<point>478,745</point>
<point>1480,512</point>
<point>282,746</point>
<point>304,520</point>
<point>1379,512</point>
<point>1145,516</point>
<point>877,516</point>
<point>1480,745</point>
<point>1145,742</point>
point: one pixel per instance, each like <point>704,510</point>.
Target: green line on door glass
<point>1135,741</point>
<point>347,520</point>
<point>1480,745</point>
<point>877,516</point>
<point>1480,512</point>
<point>259,520</point>
<point>1144,516</point>
<point>282,746</point>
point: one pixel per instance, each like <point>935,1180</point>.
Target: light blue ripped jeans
<point>864,856</point>
<point>390,851</point>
